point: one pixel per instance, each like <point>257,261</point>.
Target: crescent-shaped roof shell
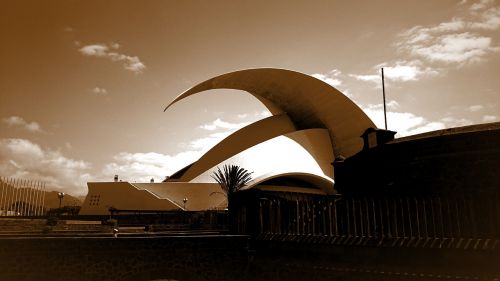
<point>238,141</point>
<point>309,102</point>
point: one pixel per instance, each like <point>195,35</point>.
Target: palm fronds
<point>231,178</point>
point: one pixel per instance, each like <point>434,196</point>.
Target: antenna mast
<point>383,93</point>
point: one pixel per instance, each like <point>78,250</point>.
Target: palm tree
<point>231,179</point>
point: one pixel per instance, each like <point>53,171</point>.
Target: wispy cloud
<point>21,158</point>
<point>407,123</point>
<point>474,108</point>
<point>100,91</point>
<point>132,63</point>
<point>490,118</point>
<point>331,77</point>
<point>454,48</point>
<point>460,40</point>
<point>141,167</point>
<point>220,124</point>
<point>16,121</point>
<point>335,78</point>
<point>399,71</point>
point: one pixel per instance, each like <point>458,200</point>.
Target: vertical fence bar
<point>28,198</point>
<point>336,227</point>
<point>388,216</point>
<point>35,205</point>
<point>2,196</point>
<point>410,226</point>
<point>441,220</point>
<point>16,196</point>
<point>37,198</point>
<point>424,217</point>
<point>395,208</point>
<point>22,201</point>
<point>2,199</point>
<point>33,198</point>
<point>21,197</point>
<point>417,217</point>
<point>10,196</point>
<point>39,206</point>
<point>32,183</point>
<point>26,203</point>
<point>43,201</point>
<point>368,223</point>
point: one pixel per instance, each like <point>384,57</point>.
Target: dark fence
<point>434,221</point>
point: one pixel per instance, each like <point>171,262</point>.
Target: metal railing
<point>19,197</point>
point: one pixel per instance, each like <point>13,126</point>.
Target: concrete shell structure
<point>309,102</point>
<point>290,151</point>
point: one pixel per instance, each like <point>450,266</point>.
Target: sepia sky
<point>83,83</point>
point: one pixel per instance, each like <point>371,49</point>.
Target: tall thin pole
<point>383,93</point>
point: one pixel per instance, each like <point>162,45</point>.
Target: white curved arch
<point>310,102</point>
<point>300,152</point>
<point>240,140</point>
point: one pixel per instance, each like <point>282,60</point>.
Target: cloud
<point>481,5</point>
<point>489,19</point>
<point>16,121</point>
<point>21,158</point>
<point>219,124</point>
<point>205,143</point>
<point>460,40</point>
<point>490,118</point>
<point>334,78</point>
<point>399,71</point>
<point>100,91</point>
<point>455,48</point>
<point>132,63</point>
<point>331,77</point>
<point>407,123</point>
<point>141,167</point>
<point>474,108</point>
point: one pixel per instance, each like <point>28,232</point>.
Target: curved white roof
<point>309,102</point>
<point>305,154</point>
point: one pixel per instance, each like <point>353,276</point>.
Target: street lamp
<point>184,200</point>
<point>61,196</point>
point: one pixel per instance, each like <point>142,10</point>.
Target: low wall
<point>143,258</point>
<point>231,258</point>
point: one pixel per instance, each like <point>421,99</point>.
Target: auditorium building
<point>316,144</point>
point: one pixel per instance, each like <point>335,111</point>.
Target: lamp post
<point>61,196</point>
<point>185,201</point>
